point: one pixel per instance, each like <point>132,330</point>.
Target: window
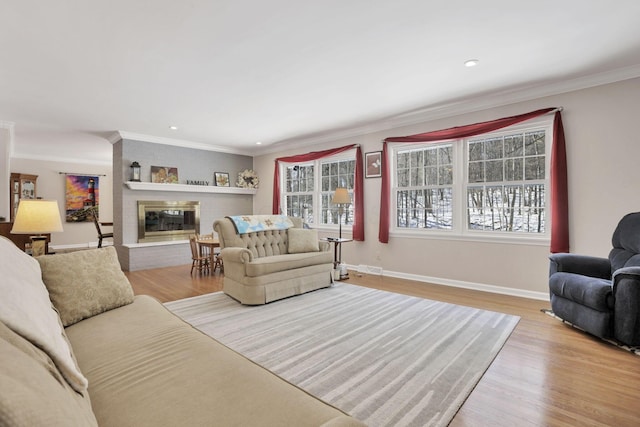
<point>309,188</point>
<point>492,183</point>
<point>425,187</point>
<point>506,183</point>
<point>299,190</point>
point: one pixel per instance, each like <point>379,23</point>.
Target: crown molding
<point>47,158</point>
<point>462,106</point>
<point>119,135</point>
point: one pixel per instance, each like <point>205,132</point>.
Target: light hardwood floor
<point>547,374</point>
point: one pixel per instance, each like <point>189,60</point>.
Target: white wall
<point>51,185</point>
<point>602,148</point>
<point>5,144</point>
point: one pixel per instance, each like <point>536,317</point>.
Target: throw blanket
<point>251,223</point>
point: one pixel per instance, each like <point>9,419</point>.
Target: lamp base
<point>38,245</point>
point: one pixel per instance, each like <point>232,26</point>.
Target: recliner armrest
<point>626,294</point>
<point>580,264</point>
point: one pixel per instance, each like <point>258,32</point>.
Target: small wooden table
<point>210,244</point>
<point>337,251</point>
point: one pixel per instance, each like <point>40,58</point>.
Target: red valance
<point>358,188</point>
<point>559,187</point>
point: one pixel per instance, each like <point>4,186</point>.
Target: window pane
<point>431,175</point>
<point>494,171</point>
<point>476,172</point>
<point>417,176</point>
<point>513,169</point>
<point>403,160</point>
<point>513,146</point>
<point>325,183</point>
<point>445,175</point>
<point>431,157</point>
<point>476,151</point>
<point>493,148</point>
<point>534,168</point>
<point>403,178</point>
<point>534,143</point>
<point>475,211</point>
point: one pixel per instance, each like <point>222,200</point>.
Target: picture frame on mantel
<point>221,179</point>
<point>164,175</point>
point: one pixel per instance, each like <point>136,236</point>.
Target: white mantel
<point>186,188</point>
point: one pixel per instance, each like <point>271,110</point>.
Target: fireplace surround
<point>160,220</point>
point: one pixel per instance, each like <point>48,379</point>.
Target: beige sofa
<point>143,365</point>
<point>267,265</point>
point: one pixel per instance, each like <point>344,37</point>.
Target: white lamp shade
<point>341,196</point>
<point>37,217</point>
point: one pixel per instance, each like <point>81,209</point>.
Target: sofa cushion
<point>85,283</point>
<point>33,391</point>
<point>149,368</point>
<point>277,263</point>
<point>26,309</point>
<point>303,240</point>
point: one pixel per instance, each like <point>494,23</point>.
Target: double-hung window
<point>309,188</point>
<point>491,184</point>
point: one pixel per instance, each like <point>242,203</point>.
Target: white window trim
<point>317,192</point>
<point>459,230</point>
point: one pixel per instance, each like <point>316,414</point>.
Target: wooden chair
<point>198,260</point>
<point>215,260</point>
<point>101,235</point>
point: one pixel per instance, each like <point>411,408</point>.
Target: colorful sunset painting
<point>82,194</point>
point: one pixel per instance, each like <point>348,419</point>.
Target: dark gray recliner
<point>600,295</point>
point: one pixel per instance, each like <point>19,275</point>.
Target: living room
<point>598,111</point>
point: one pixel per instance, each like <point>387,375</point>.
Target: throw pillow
<point>302,240</point>
<point>85,283</point>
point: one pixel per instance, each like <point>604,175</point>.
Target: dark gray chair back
<point>626,243</point>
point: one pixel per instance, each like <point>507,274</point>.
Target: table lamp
<point>37,217</point>
<point>341,198</point>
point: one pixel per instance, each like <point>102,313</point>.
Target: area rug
<point>384,358</point>
<point>630,348</point>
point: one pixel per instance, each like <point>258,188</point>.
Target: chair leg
<point>99,241</point>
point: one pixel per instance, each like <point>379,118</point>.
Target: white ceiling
<point>230,73</point>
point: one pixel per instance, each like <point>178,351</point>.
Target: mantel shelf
<point>185,188</point>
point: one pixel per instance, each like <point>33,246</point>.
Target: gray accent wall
<point>193,165</point>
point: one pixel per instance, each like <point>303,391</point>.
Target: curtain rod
<point>83,174</point>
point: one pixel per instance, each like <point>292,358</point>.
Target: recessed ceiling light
<point>471,62</point>
<point>173,127</point>
<point>258,143</point>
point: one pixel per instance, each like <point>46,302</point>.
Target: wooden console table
<point>20,239</point>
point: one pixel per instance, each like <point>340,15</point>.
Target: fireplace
<point>160,221</point>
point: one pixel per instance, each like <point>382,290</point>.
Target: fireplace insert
<point>160,221</point>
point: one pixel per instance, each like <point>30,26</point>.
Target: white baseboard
<point>543,296</point>
<point>88,245</point>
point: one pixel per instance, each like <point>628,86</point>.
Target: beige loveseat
<point>270,264</point>
<point>122,360</point>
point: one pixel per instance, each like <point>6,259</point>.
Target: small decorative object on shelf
<point>222,179</point>
<point>135,171</point>
<point>248,179</point>
<point>164,175</point>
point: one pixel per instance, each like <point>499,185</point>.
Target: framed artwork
<point>164,174</point>
<point>221,179</point>
<point>82,196</point>
<point>373,164</point>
